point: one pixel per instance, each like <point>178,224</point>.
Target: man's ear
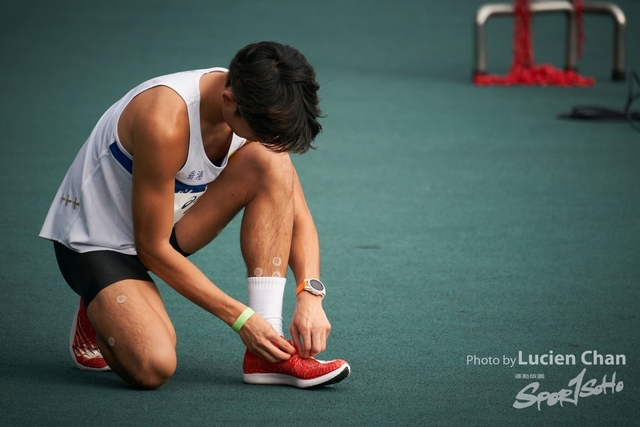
<point>228,99</point>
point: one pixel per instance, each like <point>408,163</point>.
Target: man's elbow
<point>149,254</point>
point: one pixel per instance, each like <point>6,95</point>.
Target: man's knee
<point>274,170</point>
<point>154,369</point>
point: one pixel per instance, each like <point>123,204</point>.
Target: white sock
<point>265,298</point>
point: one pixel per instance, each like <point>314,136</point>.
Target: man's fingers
<point>306,344</point>
<point>284,345</point>
<point>295,335</point>
<point>272,353</point>
<point>268,356</point>
<point>277,348</point>
<point>312,342</point>
<point>319,344</point>
<point>262,340</point>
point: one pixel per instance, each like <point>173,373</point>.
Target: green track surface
<point>454,220</point>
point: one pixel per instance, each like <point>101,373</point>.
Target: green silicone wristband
<point>240,321</point>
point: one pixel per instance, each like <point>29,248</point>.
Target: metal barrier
<point>504,9</point>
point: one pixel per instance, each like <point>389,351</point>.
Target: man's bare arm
<point>159,135</point>
<point>309,324</point>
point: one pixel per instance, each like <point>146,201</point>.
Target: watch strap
<point>301,287</point>
<point>306,285</point>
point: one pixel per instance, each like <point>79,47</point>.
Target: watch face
<point>316,284</point>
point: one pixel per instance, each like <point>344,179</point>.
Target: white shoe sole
<point>282,379</point>
<point>72,335</point>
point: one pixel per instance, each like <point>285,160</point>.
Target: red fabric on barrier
<point>523,69</point>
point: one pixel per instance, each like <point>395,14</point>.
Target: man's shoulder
<point>159,104</point>
<point>158,113</point>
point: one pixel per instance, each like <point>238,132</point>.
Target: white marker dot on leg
<point>257,272</point>
<point>277,261</point>
<point>275,274</point>
<point>121,299</point>
<point>112,341</point>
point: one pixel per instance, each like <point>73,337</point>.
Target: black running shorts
<point>90,272</point>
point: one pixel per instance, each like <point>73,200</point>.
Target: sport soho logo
<point>577,387</point>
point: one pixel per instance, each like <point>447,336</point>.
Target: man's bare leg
<point>265,184</point>
<point>261,182</point>
<point>134,332</point>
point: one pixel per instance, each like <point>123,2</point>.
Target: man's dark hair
<point>276,92</point>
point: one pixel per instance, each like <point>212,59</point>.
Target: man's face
<point>240,127</point>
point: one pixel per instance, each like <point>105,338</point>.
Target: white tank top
<point>92,209</point>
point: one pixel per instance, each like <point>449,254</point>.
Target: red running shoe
<point>82,343</point>
<point>297,372</point>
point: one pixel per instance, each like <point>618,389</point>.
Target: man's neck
<point>211,87</point>
<point>216,134</point>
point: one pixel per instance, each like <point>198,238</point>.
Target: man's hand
<point>262,340</point>
<point>309,326</point>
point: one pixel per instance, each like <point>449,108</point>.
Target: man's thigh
<point>121,299</point>
<point>134,333</point>
<point>250,170</point>
<point>130,316</point>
